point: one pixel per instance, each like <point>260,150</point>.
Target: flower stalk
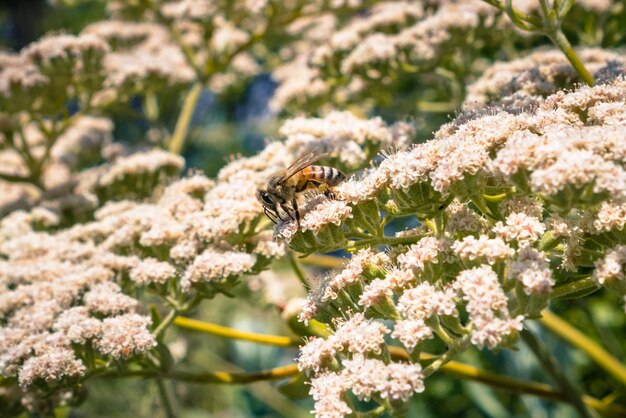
<point>549,24</point>
<point>221,331</point>
<point>297,269</point>
<point>165,399</point>
<point>578,286</point>
<point>550,364</point>
<point>579,340</point>
<point>234,378</point>
<point>184,119</point>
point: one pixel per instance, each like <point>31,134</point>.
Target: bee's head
<point>275,183</point>
<point>265,199</point>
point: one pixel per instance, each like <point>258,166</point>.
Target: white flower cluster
<point>70,287</point>
<point>371,48</point>
<point>549,151</point>
<point>526,81</point>
<point>53,64</point>
<point>417,310</point>
<point>70,187</point>
<point>352,345</point>
<point>54,298</point>
<point>343,135</point>
<point>143,56</point>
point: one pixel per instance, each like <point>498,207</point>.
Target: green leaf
<point>295,388</point>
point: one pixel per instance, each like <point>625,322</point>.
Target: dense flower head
<point>520,227</point>
<point>485,248</point>
<point>150,270</point>
<point>54,48</point>
<point>394,381</point>
<point>481,289</point>
<point>610,216</point>
<point>53,305</point>
<point>532,269</point>
<point>125,335</point>
<point>340,282</point>
<point>462,219</point>
<point>359,335</point>
<point>611,267</point>
<point>376,292</point>
<point>317,353</point>
<point>73,189</point>
<point>49,70</point>
<point>214,265</point>
<point>328,390</point>
<point>342,134</point>
<point>411,332</point>
<point>486,304</point>
<point>326,212</point>
<point>427,250</point>
<point>423,301</point>
<point>51,366</point>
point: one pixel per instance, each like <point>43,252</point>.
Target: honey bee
<point>284,186</point>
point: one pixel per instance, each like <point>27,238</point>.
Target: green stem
<point>326,261</point>
<point>477,199</point>
<point>495,198</point>
<point>440,331</point>
<point>184,119</point>
<point>545,8</point>
<point>574,287</point>
<point>385,241</point>
<point>165,399</point>
<point>560,40</point>
<point>171,316</point>
<point>550,364</point>
<point>550,25</point>
<point>570,334</point>
<point>264,391</point>
<point>234,334</point>
<point>210,377</point>
<point>297,268</point>
<point>237,378</point>
<point>496,4</point>
<point>445,358</point>
<point>374,413</point>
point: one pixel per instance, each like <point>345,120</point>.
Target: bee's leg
<point>267,213</point>
<point>329,193</point>
<point>294,204</point>
<point>285,209</point>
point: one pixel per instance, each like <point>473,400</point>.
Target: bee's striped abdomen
<point>317,174</point>
<point>333,176</point>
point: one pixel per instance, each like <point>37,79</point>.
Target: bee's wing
<point>301,163</point>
